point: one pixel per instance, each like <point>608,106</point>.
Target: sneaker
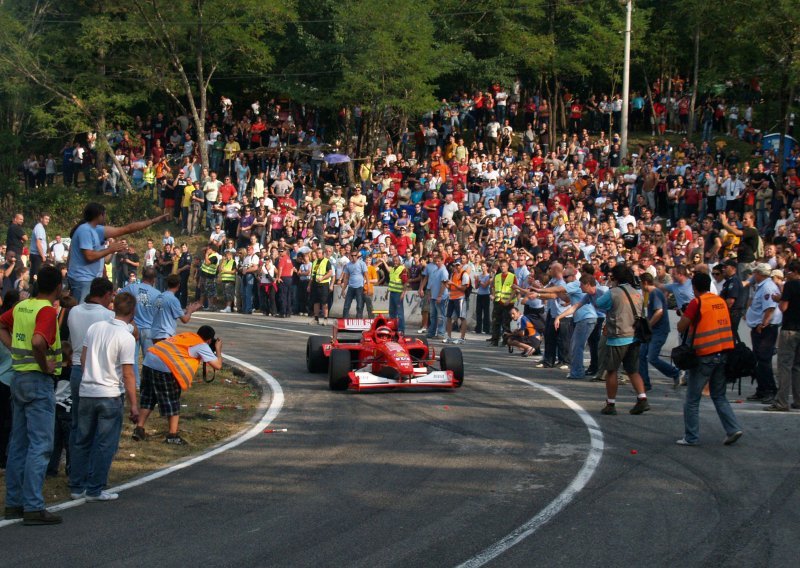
<point>459,341</point>
<point>447,340</point>
<point>543,365</point>
<point>640,407</point>
<point>325,321</point>
<point>13,513</point>
<point>43,517</point>
<point>755,397</point>
<point>609,409</point>
<point>226,310</point>
<point>599,379</point>
<point>775,408</point>
<point>684,442</point>
<point>80,495</point>
<point>176,440</point>
<point>564,367</point>
<point>139,435</point>
<point>732,438</point>
<point>104,496</point>
<point>768,400</point>
<point>422,330</point>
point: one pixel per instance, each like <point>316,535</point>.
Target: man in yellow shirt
<point>358,201</point>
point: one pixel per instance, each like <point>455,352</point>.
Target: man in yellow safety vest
<point>503,296</point>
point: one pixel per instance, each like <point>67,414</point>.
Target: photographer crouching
<point>168,369</point>
<point>525,336</point>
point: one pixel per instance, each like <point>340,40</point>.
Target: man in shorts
<point>622,304</point>
<point>457,306</point>
<point>168,369</point>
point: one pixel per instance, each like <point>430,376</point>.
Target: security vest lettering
<point>713,332</point>
<point>174,353</point>
<point>210,266</point>
<point>502,287</point>
<point>321,270</point>
<point>228,270</point>
<point>395,283</point>
<point>21,347</point>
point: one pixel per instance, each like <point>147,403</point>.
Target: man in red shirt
<point>591,164</point>
<point>432,207</point>
<point>255,132</point>
<point>30,331</point>
<point>403,242</point>
<point>286,271</point>
<point>227,191</point>
<point>286,204</point>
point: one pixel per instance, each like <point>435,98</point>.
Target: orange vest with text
<point>174,353</point>
<point>713,331</point>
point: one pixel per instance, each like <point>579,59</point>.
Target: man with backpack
<point>707,320</point>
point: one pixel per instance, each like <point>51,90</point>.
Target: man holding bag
<point>708,321</point>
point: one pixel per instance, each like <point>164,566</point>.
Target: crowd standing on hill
<point>567,239</point>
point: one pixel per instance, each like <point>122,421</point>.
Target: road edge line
<point>271,402</point>
<point>590,464</point>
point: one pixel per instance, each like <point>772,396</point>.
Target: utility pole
<point>626,80</point>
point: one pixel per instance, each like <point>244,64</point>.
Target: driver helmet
<point>383,334</point>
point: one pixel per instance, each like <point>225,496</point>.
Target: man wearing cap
<point>734,295</point>
<point>764,319</point>
<point>168,369</point>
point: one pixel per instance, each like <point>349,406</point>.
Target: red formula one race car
<point>365,354</point>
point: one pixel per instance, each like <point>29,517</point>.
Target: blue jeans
<point>438,312</point>
<point>710,370</point>
<point>580,335</point>
<point>99,427</point>
<point>397,310</point>
<point>248,281</point>
<point>79,290</point>
<point>650,354</point>
<point>33,402</point>
<point>356,294</point>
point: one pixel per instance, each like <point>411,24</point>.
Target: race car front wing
<point>362,379</point>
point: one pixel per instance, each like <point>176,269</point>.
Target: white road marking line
<point>258,325</point>
<point>565,497</point>
<point>273,402</point>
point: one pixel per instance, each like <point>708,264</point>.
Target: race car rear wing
<point>348,324</point>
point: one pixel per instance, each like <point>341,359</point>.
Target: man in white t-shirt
<point>59,250</point>
<point>150,254</point>
<point>108,355</point>
<point>79,320</point>
<point>492,133</point>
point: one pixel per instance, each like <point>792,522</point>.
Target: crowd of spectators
<point>477,204</point>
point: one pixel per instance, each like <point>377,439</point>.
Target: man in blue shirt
<point>556,341</point>
<point>87,252</point>
<point>168,309</point>
<point>146,295</point>
<point>433,278</point>
<point>764,319</point>
<point>681,287</point>
<point>353,275</point>
<point>658,315</point>
<point>583,297</point>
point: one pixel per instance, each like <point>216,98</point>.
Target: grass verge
<point>210,413</point>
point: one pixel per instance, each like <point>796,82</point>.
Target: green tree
<point>189,41</point>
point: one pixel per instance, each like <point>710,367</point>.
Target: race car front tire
<point>339,369</point>
<point>451,359</point>
<point>315,354</point>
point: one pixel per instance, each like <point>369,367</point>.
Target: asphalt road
<point>436,478</point>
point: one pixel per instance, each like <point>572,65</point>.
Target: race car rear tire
<point>315,354</point>
<point>451,359</point>
<point>339,369</point>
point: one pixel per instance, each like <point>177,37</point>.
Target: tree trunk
<point>695,79</point>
